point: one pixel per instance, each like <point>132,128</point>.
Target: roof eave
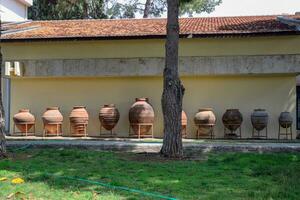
<point>182,36</point>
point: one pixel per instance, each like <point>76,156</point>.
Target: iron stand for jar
<point>111,134</point>
<point>288,131</point>
<point>139,130</point>
<point>259,136</point>
<point>26,129</point>
<point>211,133</point>
<point>228,134</point>
<point>58,129</point>
<point>72,131</point>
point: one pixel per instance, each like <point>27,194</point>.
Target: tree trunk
<point>147,8</point>
<point>173,89</point>
<point>2,124</point>
<point>85,9</point>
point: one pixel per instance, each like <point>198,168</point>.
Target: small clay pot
<point>232,119</point>
<point>141,112</point>
<point>53,120</point>
<point>204,119</point>
<point>259,119</point>
<point>109,116</point>
<point>79,118</point>
<point>22,118</point>
<point>285,120</point>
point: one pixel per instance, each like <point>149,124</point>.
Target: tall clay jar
<point>53,120</point>
<point>232,119</point>
<point>183,124</point>
<point>285,120</point>
<point>259,119</point>
<point>205,119</point>
<point>109,116</point>
<point>79,118</point>
<point>141,112</point>
<point>22,118</point>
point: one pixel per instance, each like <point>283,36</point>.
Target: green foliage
<point>66,9</point>
<point>191,7</point>
<point>214,176</point>
<point>97,9</point>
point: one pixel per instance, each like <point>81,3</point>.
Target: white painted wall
<point>14,10</point>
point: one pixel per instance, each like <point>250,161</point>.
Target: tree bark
<point>147,8</point>
<point>2,124</point>
<point>173,89</point>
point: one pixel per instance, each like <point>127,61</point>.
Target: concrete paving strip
<point>155,145</point>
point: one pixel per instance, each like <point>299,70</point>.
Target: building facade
<point>14,10</point>
<point>239,62</point>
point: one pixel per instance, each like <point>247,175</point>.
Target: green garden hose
<point>159,196</point>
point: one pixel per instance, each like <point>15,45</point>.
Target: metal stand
<point>20,133</point>
<point>288,132</point>
<point>58,129</point>
<point>228,134</point>
<point>211,133</point>
<point>111,133</point>
<point>139,130</point>
<point>256,133</point>
<point>72,130</point>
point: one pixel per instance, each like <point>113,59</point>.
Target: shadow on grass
<point>231,175</point>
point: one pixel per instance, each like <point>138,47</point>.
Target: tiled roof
<point>147,28</point>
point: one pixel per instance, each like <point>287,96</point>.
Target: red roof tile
<point>147,28</point>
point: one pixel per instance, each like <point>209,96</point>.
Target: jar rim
<point>24,110</point>
<point>142,99</point>
<point>53,108</point>
<point>77,107</point>
<point>205,109</point>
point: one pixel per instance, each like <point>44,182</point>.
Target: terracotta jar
<point>24,117</point>
<point>109,116</point>
<point>232,119</point>
<point>183,123</point>
<point>285,120</point>
<point>79,118</point>
<point>53,120</point>
<point>203,119</point>
<point>141,112</point>
<point>183,119</point>
<point>259,119</point>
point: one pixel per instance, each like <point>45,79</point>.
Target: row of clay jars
<point>232,119</point>
<point>142,112</point>
<point>52,120</point>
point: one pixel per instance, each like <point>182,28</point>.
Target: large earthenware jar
<point>141,112</point>
<point>183,119</point>
<point>109,116</point>
<point>204,120</point>
<point>79,118</point>
<point>22,118</point>
<point>232,119</point>
<point>183,123</point>
<point>53,120</point>
<point>285,120</point>
<point>259,119</point>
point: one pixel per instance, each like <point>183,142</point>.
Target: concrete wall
<point>275,94</point>
<point>151,48</point>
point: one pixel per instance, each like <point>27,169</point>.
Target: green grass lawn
<point>213,176</point>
